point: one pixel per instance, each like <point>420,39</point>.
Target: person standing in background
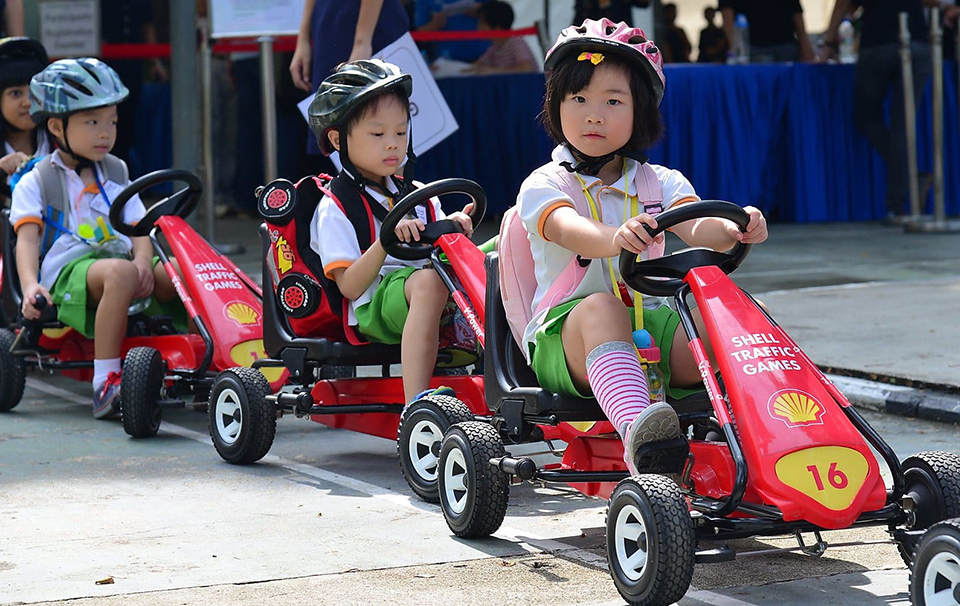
<point>12,11</point>
<point>676,46</point>
<point>777,31</point>
<point>333,32</point>
<point>878,72</point>
<point>614,10</point>
<point>130,22</point>
<point>713,42</point>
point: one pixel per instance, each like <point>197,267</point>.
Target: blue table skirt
<point>779,137</point>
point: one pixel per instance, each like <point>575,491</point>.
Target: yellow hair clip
<point>594,58</point>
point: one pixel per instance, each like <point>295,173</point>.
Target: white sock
<point>102,369</point>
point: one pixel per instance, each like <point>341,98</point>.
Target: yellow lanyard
<point>634,209</point>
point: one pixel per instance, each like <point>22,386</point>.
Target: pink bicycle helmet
<point>616,39</point>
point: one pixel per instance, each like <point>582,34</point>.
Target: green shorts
<point>382,319</point>
<point>550,364</point>
<point>69,294</point>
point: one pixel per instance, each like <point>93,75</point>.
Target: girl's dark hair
<point>571,77</point>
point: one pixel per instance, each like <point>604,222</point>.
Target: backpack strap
<point>115,169</point>
<point>54,195</point>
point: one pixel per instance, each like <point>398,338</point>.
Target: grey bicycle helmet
<point>68,86</point>
<point>351,85</point>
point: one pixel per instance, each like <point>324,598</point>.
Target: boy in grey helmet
<point>60,252</point>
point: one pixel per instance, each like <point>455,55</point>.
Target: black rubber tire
<point>941,541</point>
<point>12,375</point>
<point>329,371</point>
<point>427,418</point>
<point>933,480</point>
<point>246,389</point>
<point>655,502</point>
<point>143,370</point>
<point>479,502</point>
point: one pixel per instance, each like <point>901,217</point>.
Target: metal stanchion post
<point>207,78</point>
<point>269,109</point>
<point>910,114</point>
<point>939,223</point>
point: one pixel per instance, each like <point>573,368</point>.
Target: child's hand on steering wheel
<point>462,218</point>
<point>408,230</point>
<point>144,278</point>
<point>632,236</point>
<point>756,228</point>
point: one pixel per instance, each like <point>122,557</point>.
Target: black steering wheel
<point>180,203</point>
<point>640,275</point>
<point>412,251</point>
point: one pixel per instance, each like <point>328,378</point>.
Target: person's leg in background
<point>131,74</point>
<point>224,132</point>
<point>249,162</point>
<point>898,173</point>
<point>878,70</point>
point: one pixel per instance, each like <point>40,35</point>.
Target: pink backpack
<point>518,282</point>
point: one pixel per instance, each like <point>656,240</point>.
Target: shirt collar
<point>562,153</point>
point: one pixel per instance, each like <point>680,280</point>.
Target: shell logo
<point>796,408</point>
<point>241,313</point>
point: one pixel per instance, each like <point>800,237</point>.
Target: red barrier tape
<point>285,44</point>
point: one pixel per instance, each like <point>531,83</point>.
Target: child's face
<point>91,133</point>
<point>377,144</point>
<point>598,120</point>
<point>15,106</point>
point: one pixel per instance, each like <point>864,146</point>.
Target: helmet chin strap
<point>82,162</point>
<point>591,165</point>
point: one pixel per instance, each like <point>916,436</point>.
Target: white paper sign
<point>432,119</point>
<point>70,28</point>
<point>247,18</point>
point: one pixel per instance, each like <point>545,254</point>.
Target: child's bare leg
<point>110,285</point>
<point>426,296</point>
<point>683,367</point>
<point>600,318</point>
<point>163,289</point>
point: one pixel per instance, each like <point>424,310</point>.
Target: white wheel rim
<point>423,439</point>
<point>455,480</point>
<point>630,536</point>
<point>943,566</point>
<point>229,416</point>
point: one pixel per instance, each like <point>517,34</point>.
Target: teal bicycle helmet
<point>71,85</point>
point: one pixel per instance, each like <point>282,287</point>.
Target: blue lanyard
<point>59,227</point>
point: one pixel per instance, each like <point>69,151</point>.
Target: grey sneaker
<point>657,422</point>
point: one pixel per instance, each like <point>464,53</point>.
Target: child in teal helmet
<point>62,252</point>
<point>20,59</point>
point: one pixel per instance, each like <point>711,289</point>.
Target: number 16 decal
<point>837,478</point>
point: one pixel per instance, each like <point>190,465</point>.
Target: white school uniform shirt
<point>540,195</point>
<point>333,238</point>
<point>82,206</point>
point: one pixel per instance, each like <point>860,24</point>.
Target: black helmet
<point>20,59</point>
<point>349,87</point>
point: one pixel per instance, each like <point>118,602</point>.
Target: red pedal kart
<point>773,448</point>
<point>244,409</point>
<point>162,366</point>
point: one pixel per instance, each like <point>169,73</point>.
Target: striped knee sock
<point>618,382</point>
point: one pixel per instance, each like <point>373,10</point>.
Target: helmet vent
<point>77,85</point>
<point>636,40</point>
<point>92,72</point>
<point>610,29</point>
<point>653,50</point>
<point>580,30</point>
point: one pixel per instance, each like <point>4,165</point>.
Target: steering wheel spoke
<point>662,277</point>
<point>428,237</point>
<point>180,203</point>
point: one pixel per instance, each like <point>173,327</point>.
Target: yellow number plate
<point>831,475</point>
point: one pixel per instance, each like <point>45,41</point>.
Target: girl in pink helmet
<point>604,86</point>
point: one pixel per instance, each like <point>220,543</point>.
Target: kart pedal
<point>715,555</point>
<point>666,456</point>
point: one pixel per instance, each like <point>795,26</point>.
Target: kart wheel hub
<point>435,449</point>
<point>236,415</point>
<point>956,593</point>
